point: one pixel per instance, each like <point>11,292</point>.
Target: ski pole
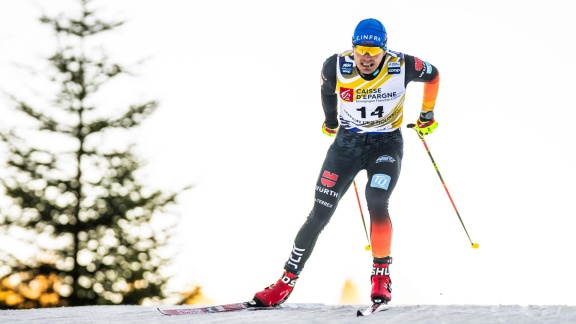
<point>474,245</point>
<point>362,214</point>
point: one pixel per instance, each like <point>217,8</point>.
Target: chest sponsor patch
<point>393,67</point>
<point>347,94</point>
<point>346,68</point>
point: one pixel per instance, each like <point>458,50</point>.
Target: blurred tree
<point>97,235</point>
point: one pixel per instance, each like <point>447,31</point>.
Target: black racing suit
<point>380,154</point>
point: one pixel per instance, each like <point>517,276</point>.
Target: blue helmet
<point>370,32</point>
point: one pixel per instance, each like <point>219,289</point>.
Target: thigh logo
<point>381,181</point>
<point>329,179</point>
<point>385,158</point>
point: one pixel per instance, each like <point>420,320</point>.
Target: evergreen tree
<point>76,202</point>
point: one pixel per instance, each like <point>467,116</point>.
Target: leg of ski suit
<point>380,155</point>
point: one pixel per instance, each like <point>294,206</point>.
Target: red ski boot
<point>381,283</point>
<point>277,293</point>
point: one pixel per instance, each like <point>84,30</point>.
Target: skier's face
<point>370,60</point>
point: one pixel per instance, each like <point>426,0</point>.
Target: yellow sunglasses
<point>371,50</point>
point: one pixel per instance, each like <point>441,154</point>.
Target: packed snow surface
<point>301,313</point>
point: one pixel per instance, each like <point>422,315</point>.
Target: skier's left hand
<point>425,126</point>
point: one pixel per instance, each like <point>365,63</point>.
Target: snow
<point>301,313</point>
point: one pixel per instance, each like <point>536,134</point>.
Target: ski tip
<point>377,306</point>
<point>162,311</point>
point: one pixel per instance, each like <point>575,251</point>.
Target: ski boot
<point>277,293</point>
<point>381,282</point>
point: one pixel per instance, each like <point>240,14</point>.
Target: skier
<point>368,83</point>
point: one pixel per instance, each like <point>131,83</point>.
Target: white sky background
<point>240,117</point>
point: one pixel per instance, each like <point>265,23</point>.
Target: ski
<point>375,307</point>
<point>245,306</point>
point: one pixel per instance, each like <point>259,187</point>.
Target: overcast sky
<point>240,118</point>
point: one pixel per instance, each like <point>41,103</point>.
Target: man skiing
<point>368,84</point>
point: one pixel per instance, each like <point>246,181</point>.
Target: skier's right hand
<point>329,131</point>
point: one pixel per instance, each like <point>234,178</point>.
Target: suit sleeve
<point>422,71</point>
<point>328,92</point>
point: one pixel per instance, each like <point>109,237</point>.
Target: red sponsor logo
<point>347,94</point>
<point>418,64</point>
<point>329,179</point>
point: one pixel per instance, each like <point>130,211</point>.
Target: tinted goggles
<point>371,50</point>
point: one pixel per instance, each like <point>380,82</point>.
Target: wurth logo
<point>328,179</point>
<point>327,191</point>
